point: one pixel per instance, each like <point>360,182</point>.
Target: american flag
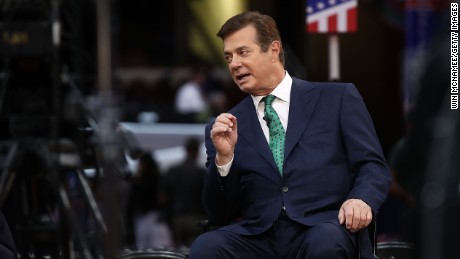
<point>330,16</point>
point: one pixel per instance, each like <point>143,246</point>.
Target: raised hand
<point>224,135</point>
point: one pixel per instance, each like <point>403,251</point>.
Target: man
<point>182,189</point>
<point>190,101</point>
<point>331,177</point>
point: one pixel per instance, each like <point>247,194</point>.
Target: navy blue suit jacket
<point>332,154</point>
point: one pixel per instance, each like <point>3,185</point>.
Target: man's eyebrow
<point>236,50</point>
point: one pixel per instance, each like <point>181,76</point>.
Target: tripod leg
<point>92,202</point>
<point>72,222</point>
<point>7,177</point>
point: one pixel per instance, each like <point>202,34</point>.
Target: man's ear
<point>275,48</point>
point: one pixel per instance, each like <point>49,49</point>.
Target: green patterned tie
<point>276,130</point>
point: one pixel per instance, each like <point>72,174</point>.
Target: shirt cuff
<point>224,169</point>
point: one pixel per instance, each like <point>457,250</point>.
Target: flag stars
<point>332,2</point>
<point>309,9</point>
<point>320,5</point>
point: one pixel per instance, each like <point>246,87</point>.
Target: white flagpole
<point>334,58</point>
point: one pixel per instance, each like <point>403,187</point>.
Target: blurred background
<point>101,100</point>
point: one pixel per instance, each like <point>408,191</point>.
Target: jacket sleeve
<point>372,179</point>
<point>220,194</point>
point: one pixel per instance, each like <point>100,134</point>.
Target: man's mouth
<point>242,76</point>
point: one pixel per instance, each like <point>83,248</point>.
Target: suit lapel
<point>303,100</point>
<point>249,128</point>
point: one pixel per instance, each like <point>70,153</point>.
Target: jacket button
<point>285,189</point>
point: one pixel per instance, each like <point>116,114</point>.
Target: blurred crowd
<point>163,208</point>
<point>190,94</point>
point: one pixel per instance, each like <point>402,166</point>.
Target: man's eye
<point>228,59</point>
<point>244,52</point>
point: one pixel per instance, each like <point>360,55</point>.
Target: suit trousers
<point>285,239</point>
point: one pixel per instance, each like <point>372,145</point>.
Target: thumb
<point>235,124</point>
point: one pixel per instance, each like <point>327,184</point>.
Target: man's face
<point>251,69</point>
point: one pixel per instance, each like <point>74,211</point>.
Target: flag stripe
<point>332,22</point>
<point>352,20</point>
<point>331,16</point>
<point>313,26</point>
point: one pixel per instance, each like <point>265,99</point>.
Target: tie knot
<point>269,99</point>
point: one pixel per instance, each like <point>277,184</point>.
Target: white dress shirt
<point>189,99</point>
<point>281,106</point>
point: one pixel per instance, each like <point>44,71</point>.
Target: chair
<point>372,229</point>
<point>151,254</point>
<point>395,250</point>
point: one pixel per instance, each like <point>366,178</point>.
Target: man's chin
<point>245,88</point>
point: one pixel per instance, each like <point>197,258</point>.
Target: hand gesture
<point>224,136</point>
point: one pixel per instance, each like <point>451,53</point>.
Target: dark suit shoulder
<point>326,88</point>
<point>321,85</point>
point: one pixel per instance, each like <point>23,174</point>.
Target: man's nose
<point>235,63</point>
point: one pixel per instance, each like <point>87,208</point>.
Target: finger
<point>219,125</point>
<point>366,215</point>
<point>235,123</point>
<point>368,218</point>
<point>341,215</point>
<point>223,126</point>
<point>216,130</point>
<point>226,118</point>
<point>349,217</point>
<point>356,220</point>
<point>226,121</point>
<point>363,220</point>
